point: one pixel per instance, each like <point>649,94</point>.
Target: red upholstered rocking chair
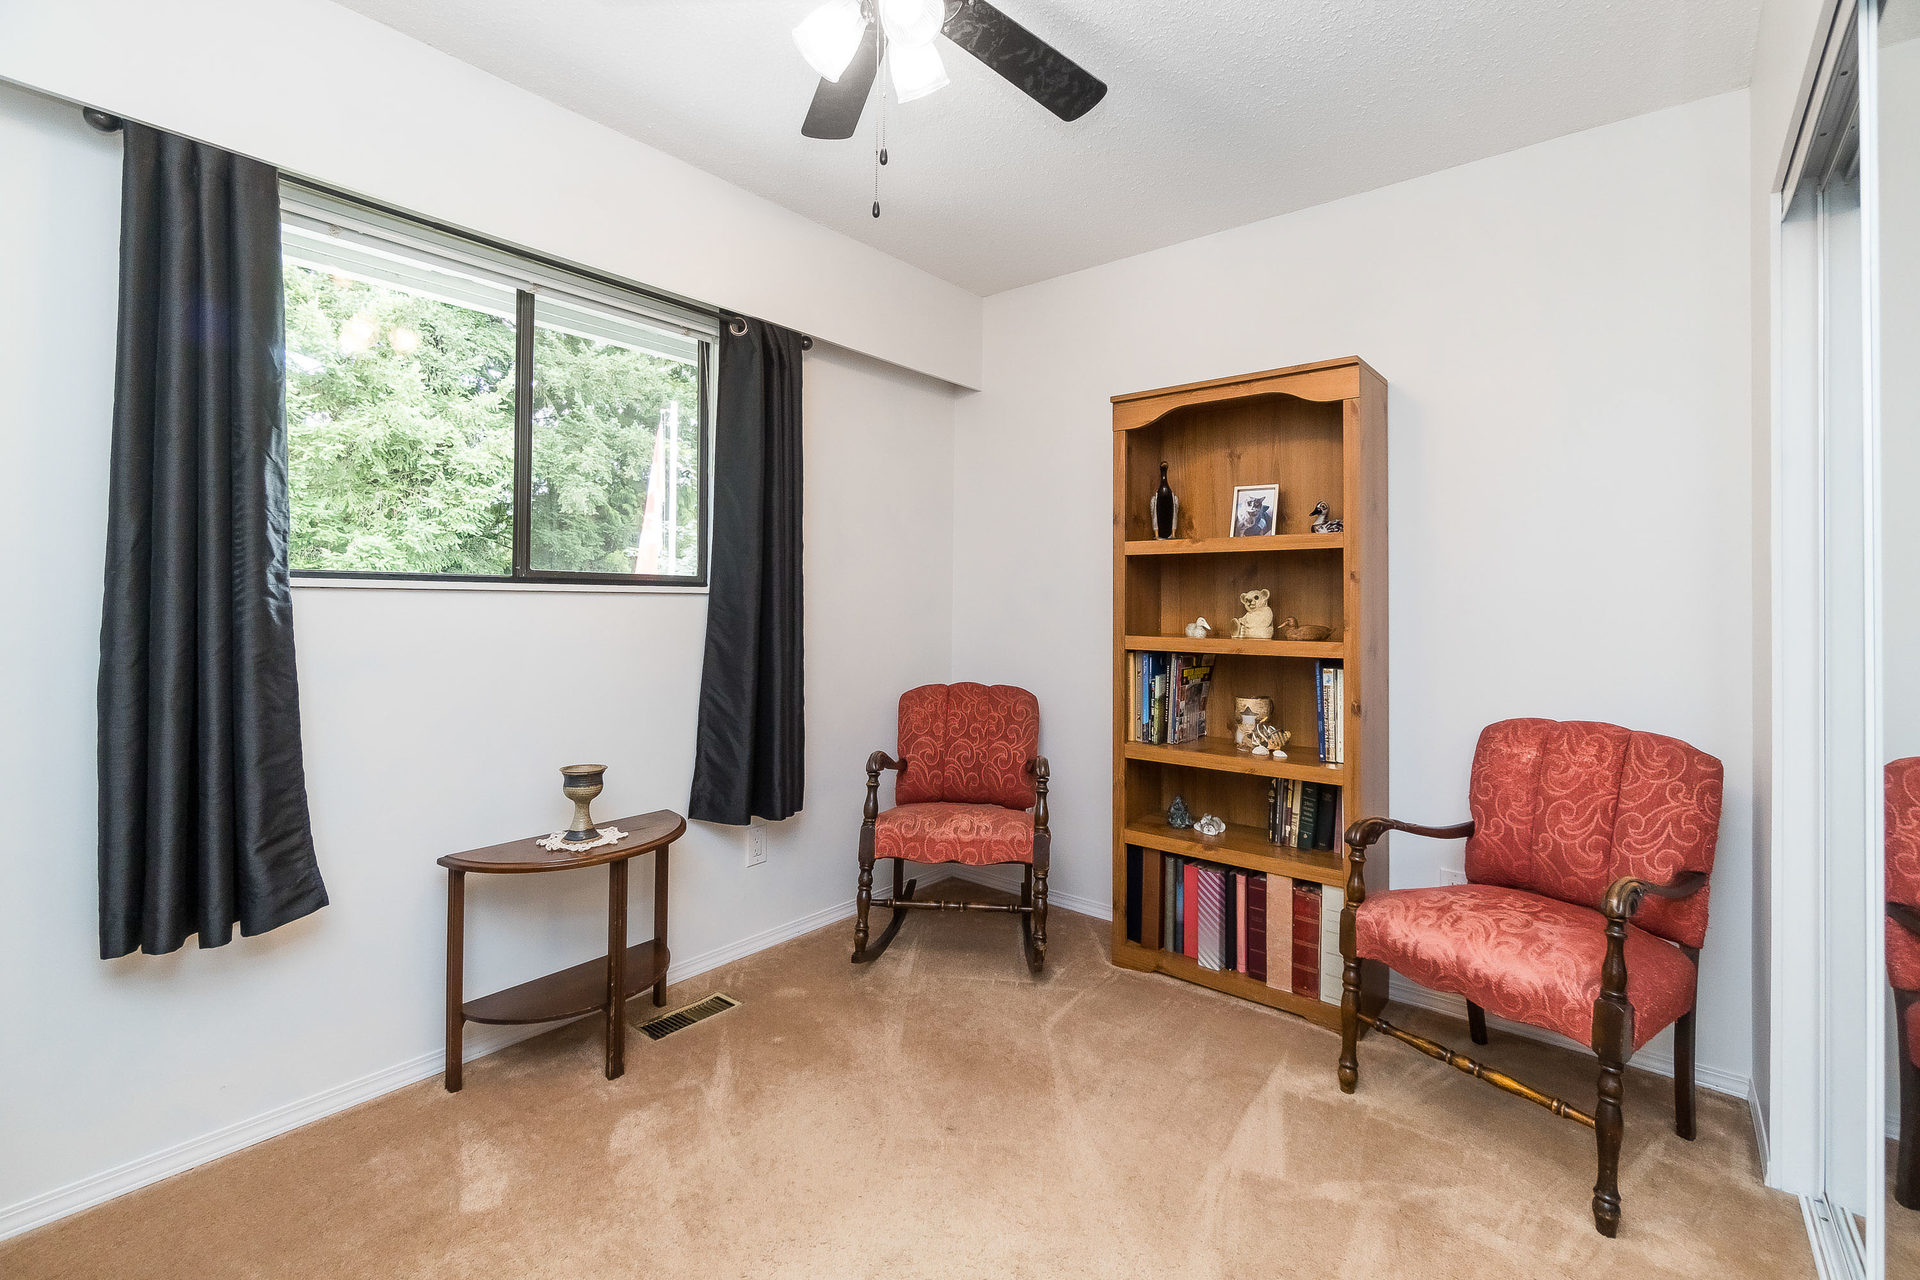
<point>970,769</point>
<point>1903,962</point>
<point>1588,853</point>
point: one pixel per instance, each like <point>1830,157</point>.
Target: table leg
<point>660,916</point>
<point>456,949</point>
<point>616,969</point>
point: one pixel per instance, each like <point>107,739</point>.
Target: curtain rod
<point>108,123</point>
<point>738,328</point>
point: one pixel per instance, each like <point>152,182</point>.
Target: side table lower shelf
<point>571,993</point>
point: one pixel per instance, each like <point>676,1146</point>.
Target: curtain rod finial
<point>101,120</point>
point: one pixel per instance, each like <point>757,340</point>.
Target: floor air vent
<point>680,1019</point>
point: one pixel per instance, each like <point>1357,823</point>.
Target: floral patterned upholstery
<point>1903,872</point>
<point>1565,808</point>
<point>969,744</point>
<point>1521,956</point>
<point>975,834</point>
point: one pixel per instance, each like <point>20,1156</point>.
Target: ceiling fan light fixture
<point>912,22</point>
<point>830,35</point>
<point>916,70</point>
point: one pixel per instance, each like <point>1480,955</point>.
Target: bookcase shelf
<point>1319,432</point>
<point>1247,648</point>
<point>1239,846</point>
<point>1218,546</point>
<point>1219,753</point>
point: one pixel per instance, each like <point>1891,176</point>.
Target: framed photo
<point>1256,510</point>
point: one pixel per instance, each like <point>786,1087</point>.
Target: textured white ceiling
<point>1217,114</point>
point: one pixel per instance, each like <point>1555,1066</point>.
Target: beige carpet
<point>941,1114</point>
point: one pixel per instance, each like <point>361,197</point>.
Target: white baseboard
<point>481,1040</point>
<point>1660,1062</point>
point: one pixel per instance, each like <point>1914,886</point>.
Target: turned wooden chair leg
<point>1350,1025</point>
<point>1037,921</point>
<point>1609,1124</point>
<point>1906,1172</point>
<point>1476,1023</point>
<point>1683,1076</point>
<point>863,899</point>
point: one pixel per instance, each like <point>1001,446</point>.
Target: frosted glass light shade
<point>912,21</point>
<point>830,35</point>
<point>916,69</point>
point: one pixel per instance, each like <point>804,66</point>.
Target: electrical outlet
<point>756,845</point>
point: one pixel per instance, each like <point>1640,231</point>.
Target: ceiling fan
<point>846,41</point>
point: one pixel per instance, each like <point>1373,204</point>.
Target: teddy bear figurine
<point>1257,622</point>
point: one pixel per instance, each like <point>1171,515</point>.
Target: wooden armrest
<point>1904,916</point>
<point>1625,894</point>
<point>871,811</point>
<point>1365,831</point>
<point>1038,768</point>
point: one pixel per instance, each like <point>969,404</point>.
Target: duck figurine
<point>1293,629</point>
<point>1198,629</point>
<point>1324,522</point>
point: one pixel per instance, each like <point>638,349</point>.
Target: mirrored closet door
<point>1829,1022</point>
<point>1894,189</point>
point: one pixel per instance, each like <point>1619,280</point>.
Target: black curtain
<point>203,802</point>
<point>748,760</point>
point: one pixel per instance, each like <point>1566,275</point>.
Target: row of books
<point>1303,815</point>
<point>1168,694</point>
<point>1283,932</point>
<point>1330,694</point>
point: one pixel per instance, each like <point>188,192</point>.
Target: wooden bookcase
<point>1320,432</point>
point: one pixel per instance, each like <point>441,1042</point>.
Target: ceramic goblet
<point>581,783</point>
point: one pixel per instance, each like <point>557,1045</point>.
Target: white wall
<point>336,96</point>
<point>1565,333</point>
<point>432,723</point>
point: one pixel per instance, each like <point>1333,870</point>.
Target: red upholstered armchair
<point>1585,908</point>
<point>970,769</point>
<point>1903,961</point>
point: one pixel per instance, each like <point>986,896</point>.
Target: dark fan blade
<point>836,108</point>
<point>1026,61</point>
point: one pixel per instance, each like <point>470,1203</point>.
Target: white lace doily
<point>558,842</point>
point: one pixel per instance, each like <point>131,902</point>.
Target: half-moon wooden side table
<point>594,987</point>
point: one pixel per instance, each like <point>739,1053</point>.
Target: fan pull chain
<point>880,146</point>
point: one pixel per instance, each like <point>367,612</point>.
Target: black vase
<point>1163,509</point>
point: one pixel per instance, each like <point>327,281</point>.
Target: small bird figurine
<point>1198,629</point>
<point>1323,521</point>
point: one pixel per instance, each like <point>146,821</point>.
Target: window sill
<point>534,588</point>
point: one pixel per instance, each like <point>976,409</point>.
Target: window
<point>457,411</point>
